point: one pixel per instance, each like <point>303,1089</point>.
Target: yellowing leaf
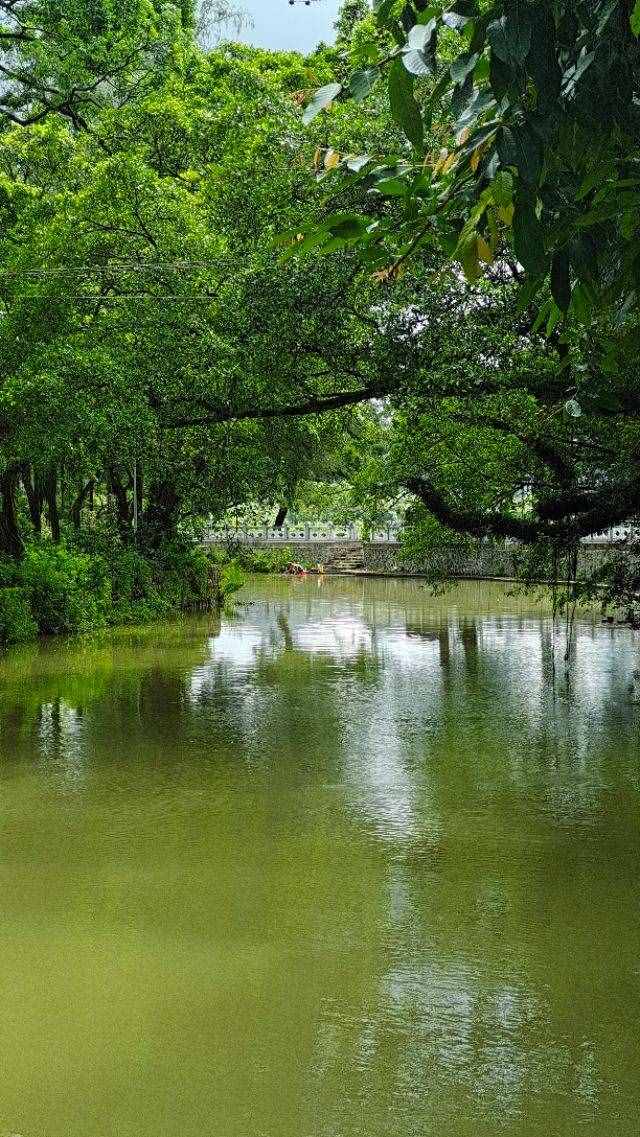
<point>317,159</point>
<point>474,160</point>
<point>484,251</point>
<point>448,163</point>
<point>505,213</point>
<point>463,136</point>
<point>331,160</point>
<point>468,255</point>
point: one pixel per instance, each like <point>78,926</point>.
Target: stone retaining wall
<point>482,562</point>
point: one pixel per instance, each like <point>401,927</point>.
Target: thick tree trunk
<point>33,490</point>
<point>76,509</point>
<point>51,498</point>
<point>140,483</point>
<point>11,543</point>
<point>123,508</point>
<point>281,517</point>
<point>160,521</point>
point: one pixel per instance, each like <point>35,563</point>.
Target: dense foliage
<point>158,362</point>
<point>509,212</point>
<point>536,105</point>
<point>466,359</point>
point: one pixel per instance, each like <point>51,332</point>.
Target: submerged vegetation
<point>410,295</point>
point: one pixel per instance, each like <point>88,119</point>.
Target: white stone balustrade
<point>308,533</point>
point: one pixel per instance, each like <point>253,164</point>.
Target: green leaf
<point>510,36</point>
<point>596,177</point>
<point>454,20</point>
<point>441,86</point>
<point>635,19</point>
<point>543,314</point>
<point>583,63</point>
<point>573,408</point>
<point>470,260</point>
<point>404,107</point>
<point>560,280</point>
<point>518,146</point>
<point>481,70</point>
<point>392,187</point>
<point>362,82</point>
<point>582,301</point>
<point>358,163</point>
<point>528,239</point>
<point>500,76</point>
<point>463,66</point>
<point>526,294</point>
<point>345,224</point>
<point>350,230</point>
<point>542,59</point>
<point>301,248</point>
<point>420,35</point>
<point>320,101</point>
<point>502,188</point>
<point>555,315</point>
<point>481,102</point>
<point>417,63</point>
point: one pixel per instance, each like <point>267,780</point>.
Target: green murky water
<point>347,865</point>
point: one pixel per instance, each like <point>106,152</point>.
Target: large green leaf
<point>510,36</point>
<point>404,107</point>
<point>419,37</point>
<point>518,146</point>
<point>560,280</point>
<point>502,188</point>
<point>500,76</point>
<point>321,100</point>
<point>362,81</point>
<point>635,19</point>
<point>418,63</point>
<point>463,66</point>
<point>542,59</point>
<point>528,239</point>
<point>348,225</point>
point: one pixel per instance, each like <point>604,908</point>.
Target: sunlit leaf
<point>404,107</point>
<point>322,99</point>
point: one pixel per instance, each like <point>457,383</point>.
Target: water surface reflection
<point>349,863</point>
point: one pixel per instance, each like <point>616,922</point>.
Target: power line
<point>93,297</point>
<point>117,266</point>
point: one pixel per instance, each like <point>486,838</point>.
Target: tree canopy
<point>536,107</point>
<point>506,215</point>
<point>212,292</point>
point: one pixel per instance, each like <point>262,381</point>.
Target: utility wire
<point>115,266</point>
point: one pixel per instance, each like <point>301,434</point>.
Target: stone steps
<point>348,560</point>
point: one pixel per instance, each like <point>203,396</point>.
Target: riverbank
<point>69,589</point>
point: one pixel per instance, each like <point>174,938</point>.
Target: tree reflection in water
<point>382,801</point>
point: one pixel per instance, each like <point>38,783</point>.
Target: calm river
<point>347,864</point>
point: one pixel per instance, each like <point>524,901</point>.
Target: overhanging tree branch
<point>608,508</point>
<point>318,405</point>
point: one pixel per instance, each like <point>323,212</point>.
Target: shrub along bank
<point>96,582</point>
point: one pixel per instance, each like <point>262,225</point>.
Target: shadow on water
<point>348,863</point>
